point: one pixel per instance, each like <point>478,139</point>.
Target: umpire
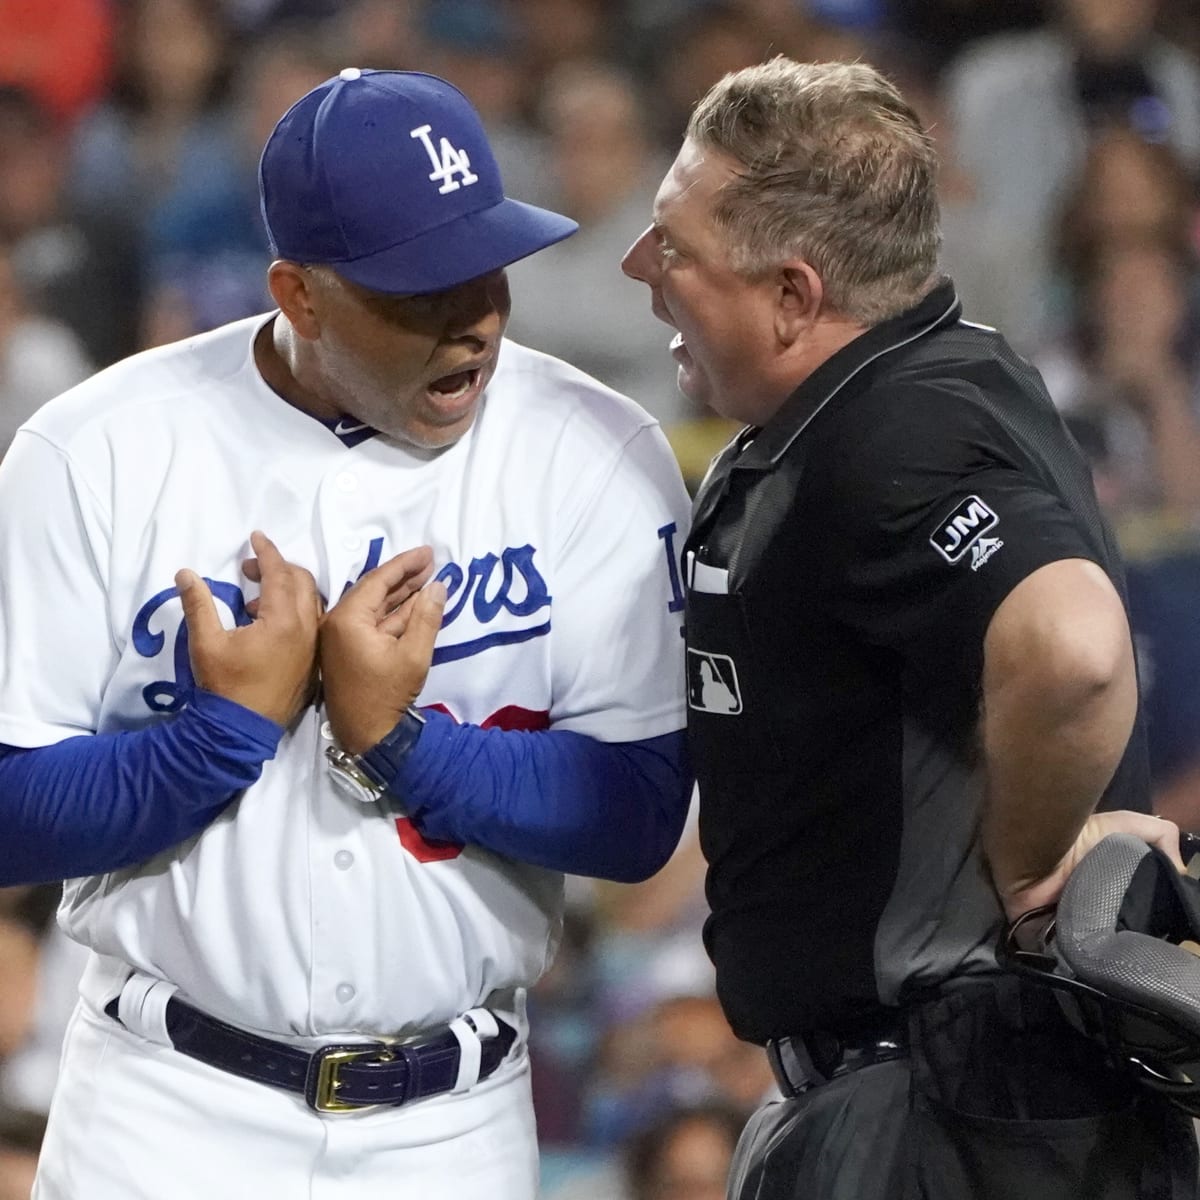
<point>910,673</point>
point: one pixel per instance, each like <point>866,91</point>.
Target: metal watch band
<point>346,767</point>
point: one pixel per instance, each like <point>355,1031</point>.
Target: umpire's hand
<point>269,665</point>
<point>1022,895</point>
<point>376,647</point>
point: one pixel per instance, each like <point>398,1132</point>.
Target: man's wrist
<point>382,761</point>
<point>371,772</point>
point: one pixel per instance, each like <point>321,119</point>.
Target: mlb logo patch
<point>962,528</point>
<point>713,683</point>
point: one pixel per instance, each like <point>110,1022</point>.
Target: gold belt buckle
<point>325,1094</point>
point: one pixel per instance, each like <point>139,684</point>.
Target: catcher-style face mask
<point>1122,951</point>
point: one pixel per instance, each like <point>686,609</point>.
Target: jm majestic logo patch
<point>713,683</point>
<point>962,528</point>
<point>983,550</point>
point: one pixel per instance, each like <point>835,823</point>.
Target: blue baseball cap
<point>387,176</point>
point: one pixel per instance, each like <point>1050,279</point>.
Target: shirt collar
<point>350,431</point>
<point>940,308</point>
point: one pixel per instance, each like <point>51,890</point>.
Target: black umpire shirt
<point>843,566</point>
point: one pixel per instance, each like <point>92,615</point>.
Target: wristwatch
<point>374,769</point>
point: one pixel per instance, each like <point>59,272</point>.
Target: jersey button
<point>327,731</point>
<point>343,860</point>
<point>345,992</point>
<point>346,482</point>
<point>350,542</point>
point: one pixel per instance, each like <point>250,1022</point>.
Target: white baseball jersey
<point>302,912</point>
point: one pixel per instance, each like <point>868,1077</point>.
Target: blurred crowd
<point>1070,137</point>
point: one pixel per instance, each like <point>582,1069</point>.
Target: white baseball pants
<point>134,1120</point>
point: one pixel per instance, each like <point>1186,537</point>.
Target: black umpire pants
<point>1000,1099</point>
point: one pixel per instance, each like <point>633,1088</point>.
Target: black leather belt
<point>807,1060</point>
<point>337,1078</point>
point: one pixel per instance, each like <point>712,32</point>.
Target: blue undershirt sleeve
<point>556,799</point>
<point>91,804</point>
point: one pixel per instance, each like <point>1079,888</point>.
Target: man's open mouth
<point>455,385</point>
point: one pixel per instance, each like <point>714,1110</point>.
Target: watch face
<point>347,766</point>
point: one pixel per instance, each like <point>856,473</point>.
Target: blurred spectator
<point>691,55</point>
<point>163,128</point>
<point>564,1031</point>
<point>685,1155</point>
<point>383,34</point>
<point>1181,23</point>
<point>256,16</point>
<point>1127,189</point>
<point>80,269</point>
<point>60,52</point>
<point>680,1052</point>
<point>472,43</point>
<point>28,1073</point>
<point>572,300</point>
<point>208,250</point>
<point>18,953</point>
<point>20,1138</point>
<point>688,55</point>
<point>980,253</point>
<point>624,949</point>
<point>696,1043</point>
<point>25,916</point>
<point>946,26</point>
<point>1164,607</point>
<point>551,32</point>
<point>38,357</point>
<point>1128,379</point>
<point>1127,372</point>
<point>866,15</point>
<point>1024,106</point>
<point>647,947</point>
<point>813,30</point>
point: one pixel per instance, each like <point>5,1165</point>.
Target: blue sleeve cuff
<point>421,763</point>
<point>555,799</point>
<point>243,725</point>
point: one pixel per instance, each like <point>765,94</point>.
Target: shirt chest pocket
<point>729,689</point>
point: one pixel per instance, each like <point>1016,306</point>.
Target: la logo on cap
<point>452,162</point>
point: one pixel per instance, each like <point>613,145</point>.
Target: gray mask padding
<point>1119,907</point>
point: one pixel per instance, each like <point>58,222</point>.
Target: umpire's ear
<point>799,298</point>
<point>293,287</point>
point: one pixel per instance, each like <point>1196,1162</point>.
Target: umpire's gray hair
<point>836,170</point>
